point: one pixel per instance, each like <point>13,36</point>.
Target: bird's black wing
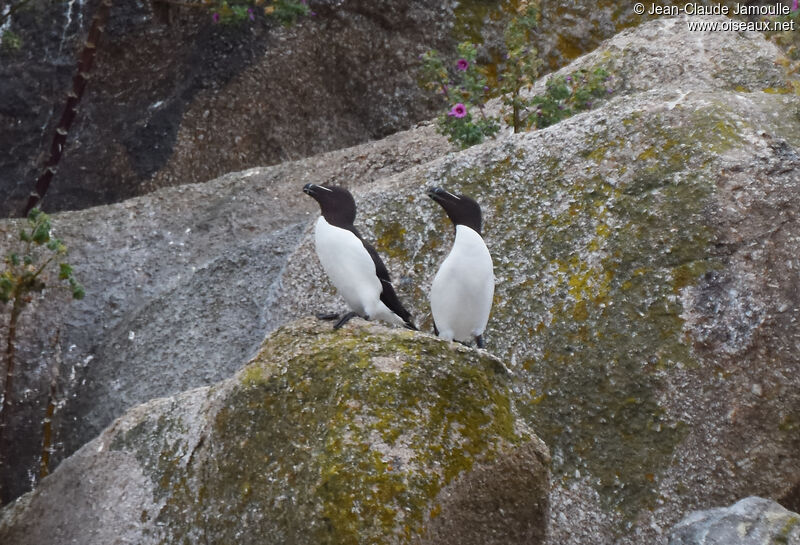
<point>388,295</point>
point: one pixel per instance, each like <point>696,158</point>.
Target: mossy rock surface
<point>646,263</point>
<point>362,435</point>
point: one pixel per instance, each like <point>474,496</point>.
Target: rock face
<point>188,101</point>
<point>647,286</point>
<point>646,256</point>
<point>363,435</point>
<point>751,521</point>
<point>176,99</point>
<point>581,26</point>
<point>207,255</point>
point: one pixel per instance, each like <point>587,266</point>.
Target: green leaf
<point>288,12</point>
<point>14,259</point>
<point>41,233</point>
<point>6,287</point>
<point>65,271</point>
<point>77,291</point>
<point>240,12</point>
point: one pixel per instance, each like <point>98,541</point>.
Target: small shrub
<point>565,96</point>
<point>521,66</point>
<point>26,269</point>
<point>464,87</point>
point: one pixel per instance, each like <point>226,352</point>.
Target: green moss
<point>472,15</point>
<point>783,536</point>
<point>389,238</point>
<point>649,153</point>
<point>568,47</point>
<point>328,445</point>
<point>590,272</point>
<point>360,491</point>
<point>163,432</point>
<point>618,321</point>
<point>779,90</point>
<point>786,125</point>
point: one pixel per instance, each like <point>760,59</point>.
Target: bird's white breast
<point>348,265</point>
<point>462,290</point>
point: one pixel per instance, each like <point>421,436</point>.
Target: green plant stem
<point>446,92</point>
<point>16,310</point>
<point>482,111</point>
<point>515,108</point>
<point>47,423</point>
<point>39,271</point>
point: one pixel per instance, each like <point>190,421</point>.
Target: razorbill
<point>352,264</point>
<point>462,290</point>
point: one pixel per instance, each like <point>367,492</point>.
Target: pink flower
<point>215,17</point>
<point>459,111</point>
<point>462,64</point>
<point>794,5</point>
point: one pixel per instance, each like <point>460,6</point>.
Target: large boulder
<point>203,256</point>
<point>647,288</point>
<point>751,521</point>
<point>361,435</point>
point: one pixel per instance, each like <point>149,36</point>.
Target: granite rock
<point>751,521</point>
<point>362,435</point>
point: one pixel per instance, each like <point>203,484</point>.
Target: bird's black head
<point>460,209</point>
<point>337,204</point>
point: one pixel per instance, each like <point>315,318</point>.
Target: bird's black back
<point>388,295</point>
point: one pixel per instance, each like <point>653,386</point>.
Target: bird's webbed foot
<point>346,318</point>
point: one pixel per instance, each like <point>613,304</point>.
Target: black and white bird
<point>352,264</point>
<point>462,290</point>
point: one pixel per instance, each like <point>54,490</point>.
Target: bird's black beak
<point>308,189</point>
<point>441,196</point>
<point>436,193</point>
